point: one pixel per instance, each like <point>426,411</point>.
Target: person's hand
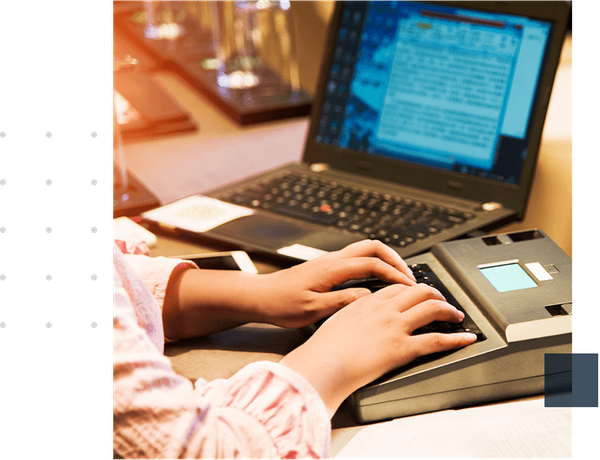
<point>201,302</point>
<point>372,336</point>
<point>302,295</point>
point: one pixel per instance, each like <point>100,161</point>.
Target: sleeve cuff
<point>283,401</point>
<point>155,272</point>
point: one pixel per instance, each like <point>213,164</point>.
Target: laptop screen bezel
<point>438,180</point>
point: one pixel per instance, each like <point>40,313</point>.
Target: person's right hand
<point>372,336</point>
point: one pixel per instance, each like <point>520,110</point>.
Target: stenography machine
<point>515,291</point>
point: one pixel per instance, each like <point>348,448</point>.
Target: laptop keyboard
<point>392,219</point>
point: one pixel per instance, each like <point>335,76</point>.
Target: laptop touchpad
<point>264,230</point>
<point>272,233</point>
<point>328,240</point>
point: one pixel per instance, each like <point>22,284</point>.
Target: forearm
<point>202,302</point>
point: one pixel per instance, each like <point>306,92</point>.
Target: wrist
<point>202,302</point>
<point>324,372</point>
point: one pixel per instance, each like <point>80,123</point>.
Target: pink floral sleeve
<point>265,410</point>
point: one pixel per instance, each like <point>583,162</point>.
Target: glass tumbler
<point>163,20</point>
<point>255,48</point>
<point>120,181</point>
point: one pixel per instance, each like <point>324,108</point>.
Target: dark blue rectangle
<point>585,380</point>
<point>571,380</point>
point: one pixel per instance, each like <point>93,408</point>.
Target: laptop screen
<point>447,87</point>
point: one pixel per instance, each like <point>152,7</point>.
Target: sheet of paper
<point>127,230</point>
<point>197,213</point>
<point>301,251</point>
<point>524,429</point>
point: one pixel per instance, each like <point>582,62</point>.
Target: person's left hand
<point>302,295</point>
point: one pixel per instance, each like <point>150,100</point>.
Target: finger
<point>414,294</point>
<point>375,248</point>
<point>378,249</point>
<point>433,342</point>
<point>367,267</point>
<point>331,302</point>
<point>430,311</point>
<point>390,291</point>
<point>407,299</point>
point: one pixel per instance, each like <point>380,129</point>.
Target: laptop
<point>426,127</point>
